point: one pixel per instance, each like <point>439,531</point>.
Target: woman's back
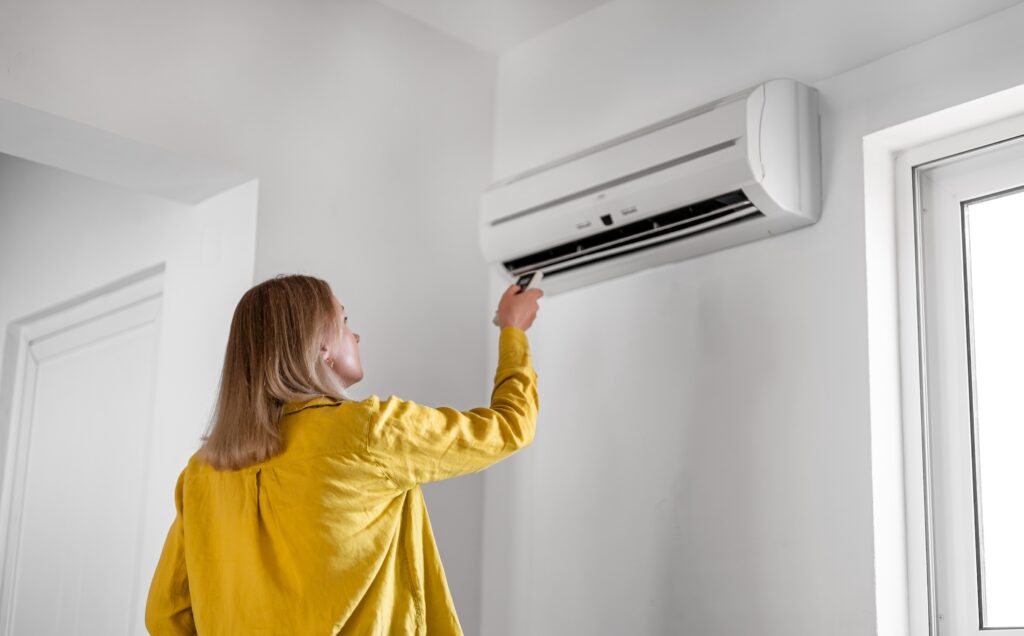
<point>331,535</point>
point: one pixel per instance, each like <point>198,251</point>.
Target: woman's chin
<point>355,380</point>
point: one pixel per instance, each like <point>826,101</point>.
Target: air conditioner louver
<point>667,227</point>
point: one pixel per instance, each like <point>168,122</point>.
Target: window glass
<point>994,242</point>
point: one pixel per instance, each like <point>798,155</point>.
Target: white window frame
<point>925,602</point>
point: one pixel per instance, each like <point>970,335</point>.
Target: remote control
<point>526,281</point>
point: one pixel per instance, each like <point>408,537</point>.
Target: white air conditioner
<point>733,171</point>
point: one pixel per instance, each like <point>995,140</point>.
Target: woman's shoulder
<point>327,426</point>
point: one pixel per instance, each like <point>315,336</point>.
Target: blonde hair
<point>273,357</point>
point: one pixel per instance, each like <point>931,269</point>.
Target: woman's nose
<point>357,338</point>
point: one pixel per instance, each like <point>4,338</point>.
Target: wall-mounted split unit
<point>733,171</point>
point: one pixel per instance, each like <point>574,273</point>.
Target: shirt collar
<point>293,407</point>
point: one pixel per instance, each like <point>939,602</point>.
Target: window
<point>970,240</point>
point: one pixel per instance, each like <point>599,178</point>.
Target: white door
<point>80,439</point>
<point>115,306</point>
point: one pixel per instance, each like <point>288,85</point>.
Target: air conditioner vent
<point>666,227</point>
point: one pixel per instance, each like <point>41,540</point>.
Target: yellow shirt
<point>331,536</point>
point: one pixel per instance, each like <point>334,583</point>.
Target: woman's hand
<point>518,310</point>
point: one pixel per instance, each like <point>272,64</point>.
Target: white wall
<point>370,135</point>
<point>703,462</point>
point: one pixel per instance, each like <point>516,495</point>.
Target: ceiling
<point>493,25</point>
<point>499,25</point>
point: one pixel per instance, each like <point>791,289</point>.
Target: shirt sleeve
<point>169,607</point>
<point>415,444</point>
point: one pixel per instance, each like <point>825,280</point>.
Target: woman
<point>302,512</point>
